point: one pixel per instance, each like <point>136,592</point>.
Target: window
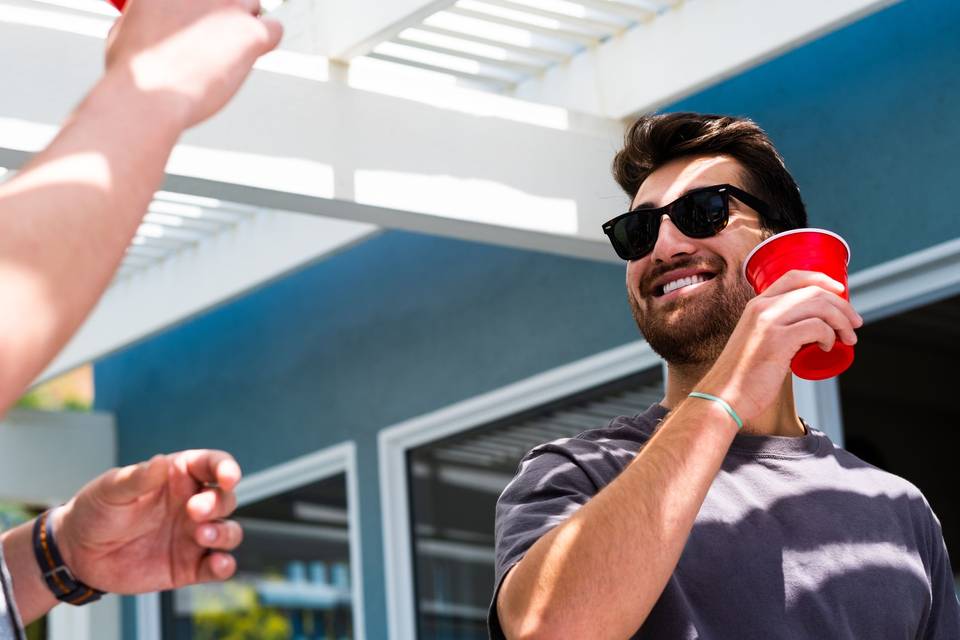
<point>455,483</point>
<point>295,571</point>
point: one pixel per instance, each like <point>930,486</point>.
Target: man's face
<point>692,324</point>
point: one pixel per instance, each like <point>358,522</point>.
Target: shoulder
<point>876,477</point>
<point>597,455</point>
<point>911,503</point>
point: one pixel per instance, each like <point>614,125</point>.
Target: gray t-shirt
<point>796,538</point>
<point>10,626</point>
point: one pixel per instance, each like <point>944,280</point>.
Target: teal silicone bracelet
<point>723,403</point>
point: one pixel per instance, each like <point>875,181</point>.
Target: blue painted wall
<point>394,328</point>
<point>866,119</point>
<point>404,324</point>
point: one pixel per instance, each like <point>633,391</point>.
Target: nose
<point>670,242</point>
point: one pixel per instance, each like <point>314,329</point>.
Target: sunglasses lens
<point>701,215</point>
<point>634,236</point>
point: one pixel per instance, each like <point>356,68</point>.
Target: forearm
<point>33,598</point>
<point>599,574</point>
<point>68,216</point>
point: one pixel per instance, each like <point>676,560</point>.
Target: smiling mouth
<point>682,283</point>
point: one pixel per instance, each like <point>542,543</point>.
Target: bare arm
<point>600,573</point>
<point>68,216</point>
<point>649,509</point>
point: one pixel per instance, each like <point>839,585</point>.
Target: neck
<point>780,419</point>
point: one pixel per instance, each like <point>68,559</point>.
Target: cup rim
<point>746,261</point>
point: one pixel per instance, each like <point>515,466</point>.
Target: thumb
<point>273,33</point>
<point>126,484</point>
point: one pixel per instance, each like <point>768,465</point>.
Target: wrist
<point>128,103</point>
<point>63,537</point>
<point>56,572</point>
<point>31,596</point>
<point>719,402</point>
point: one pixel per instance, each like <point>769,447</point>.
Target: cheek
<point>633,277</point>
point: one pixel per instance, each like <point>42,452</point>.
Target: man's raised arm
<point>68,216</point>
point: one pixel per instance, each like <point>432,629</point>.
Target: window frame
<point>394,443</point>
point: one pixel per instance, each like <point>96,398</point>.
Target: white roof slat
<point>492,52</point>
<point>574,13</point>
<point>509,65</point>
<point>497,84</point>
<point>201,225</point>
<point>565,35</point>
<point>157,232</point>
<point>147,251</point>
<point>536,52</point>
<point>623,9</point>
<point>448,61</point>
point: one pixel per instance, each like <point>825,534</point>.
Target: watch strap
<point>60,580</point>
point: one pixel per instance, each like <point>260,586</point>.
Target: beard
<point>693,330</point>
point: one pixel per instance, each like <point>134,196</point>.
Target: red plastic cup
<point>118,4</point>
<point>808,250</point>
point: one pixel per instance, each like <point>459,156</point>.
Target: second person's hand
<point>192,54</point>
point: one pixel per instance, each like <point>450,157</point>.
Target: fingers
<point>797,279</point>
<point>273,32</point>
<point>127,484</point>
<point>216,566</point>
<point>250,6</point>
<point>800,295</point>
<point>211,504</point>
<point>815,330</point>
<point>815,302</point>
<point>225,535</point>
<point>208,466</point>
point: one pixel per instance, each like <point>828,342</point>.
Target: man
<point>65,221</point>
<point>678,522</point>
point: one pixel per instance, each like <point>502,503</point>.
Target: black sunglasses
<point>699,213</point>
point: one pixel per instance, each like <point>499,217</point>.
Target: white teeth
<point>682,282</point>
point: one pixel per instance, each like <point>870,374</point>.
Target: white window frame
<point>341,458</point>
<point>915,280</point>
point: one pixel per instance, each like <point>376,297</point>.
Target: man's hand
<point>195,52</point>
<point>802,307</point>
<point>151,526</point>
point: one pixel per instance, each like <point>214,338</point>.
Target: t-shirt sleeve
<point>10,626</point>
<point>548,488</point>
<point>943,623</point>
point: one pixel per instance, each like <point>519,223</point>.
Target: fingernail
<point>209,534</point>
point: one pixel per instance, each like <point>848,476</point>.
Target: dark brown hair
<point>655,140</point>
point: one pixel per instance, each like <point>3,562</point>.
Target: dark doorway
<point>900,405</point>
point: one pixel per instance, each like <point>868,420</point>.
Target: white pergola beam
<point>462,163</point>
<point>687,49</point>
